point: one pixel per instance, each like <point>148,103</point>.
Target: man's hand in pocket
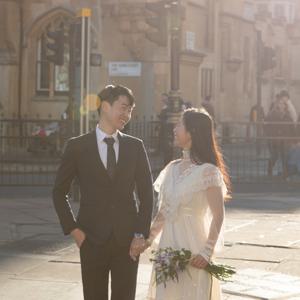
<point>79,236</point>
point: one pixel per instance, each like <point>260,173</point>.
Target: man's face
<point>119,113</point>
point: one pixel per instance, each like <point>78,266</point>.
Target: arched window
<point>53,80</point>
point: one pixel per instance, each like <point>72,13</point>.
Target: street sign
<point>125,69</point>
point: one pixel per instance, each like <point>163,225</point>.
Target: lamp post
<point>174,99</point>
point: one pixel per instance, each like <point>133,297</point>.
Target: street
<point>262,237</point>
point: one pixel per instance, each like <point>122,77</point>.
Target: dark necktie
<point>111,156</point>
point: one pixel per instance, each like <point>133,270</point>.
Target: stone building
<point>31,86</point>
<point>235,56</point>
<point>219,54</point>
<point>278,21</point>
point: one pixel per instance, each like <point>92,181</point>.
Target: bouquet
<point>168,262</point>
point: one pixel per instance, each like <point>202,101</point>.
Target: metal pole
<point>259,90</point>
<point>174,103</point>
<point>71,117</point>
<point>81,109</point>
<point>20,82</point>
<point>88,48</point>
<point>259,67</point>
<point>175,60</point>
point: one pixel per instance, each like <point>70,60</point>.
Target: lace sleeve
<point>156,226</point>
<point>158,183</point>
<point>159,219</point>
<point>213,181</point>
<point>212,177</point>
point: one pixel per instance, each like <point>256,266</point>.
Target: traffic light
<point>55,46</point>
<point>268,58</point>
<point>75,35</point>
<point>158,23</point>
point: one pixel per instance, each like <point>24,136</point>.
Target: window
<point>51,80</point>
<point>42,66</point>
<point>279,11</point>
<point>206,82</point>
<point>291,16</point>
<point>247,58</point>
<point>249,11</point>
<point>279,62</point>
<point>262,8</point>
<point>225,53</point>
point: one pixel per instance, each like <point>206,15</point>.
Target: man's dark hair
<point>111,93</point>
<point>284,93</point>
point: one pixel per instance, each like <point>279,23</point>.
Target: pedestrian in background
<point>285,96</point>
<point>257,115</point>
<point>277,130</point>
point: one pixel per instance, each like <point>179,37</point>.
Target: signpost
<point>124,69</point>
<point>85,15</point>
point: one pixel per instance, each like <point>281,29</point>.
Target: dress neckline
<point>186,155</point>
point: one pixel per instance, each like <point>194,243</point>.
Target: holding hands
<point>138,246</point>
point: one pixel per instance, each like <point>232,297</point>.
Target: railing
<point>30,150</point>
<point>261,152</point>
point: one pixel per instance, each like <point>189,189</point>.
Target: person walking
<point>277,130</point>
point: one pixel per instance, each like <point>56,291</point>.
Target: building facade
<point>218,55</point>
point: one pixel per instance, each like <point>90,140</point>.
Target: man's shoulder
<point>131,139</point>
<point>81,139</point>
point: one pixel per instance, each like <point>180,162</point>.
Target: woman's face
<point>182,137</point>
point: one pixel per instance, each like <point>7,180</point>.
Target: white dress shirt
<point>102,146</point>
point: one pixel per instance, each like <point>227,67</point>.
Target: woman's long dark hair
<point>205,148</point>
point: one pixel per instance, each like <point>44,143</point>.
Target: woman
<point>278,130</point>
<point>191,193</point>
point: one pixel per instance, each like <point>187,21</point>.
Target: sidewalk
<point>262,237</point>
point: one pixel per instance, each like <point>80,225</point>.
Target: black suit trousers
<point>98,261</point>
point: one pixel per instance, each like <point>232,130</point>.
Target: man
<point>110,228</point>
<point>285,96</point>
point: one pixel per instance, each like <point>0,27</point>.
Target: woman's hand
<point>199,262</point>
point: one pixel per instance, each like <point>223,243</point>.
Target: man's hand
<point>137,247</point>
<point>199,262</point>
<point>79,236</point>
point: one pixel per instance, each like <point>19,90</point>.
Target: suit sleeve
<point>145,192</point>
<point>65,175</point>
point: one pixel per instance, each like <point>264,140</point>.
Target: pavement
<point>262,240</point>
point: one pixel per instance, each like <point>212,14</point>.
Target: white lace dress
<point>189,219</point>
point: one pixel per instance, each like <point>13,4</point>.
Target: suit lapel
<point>122,155</point>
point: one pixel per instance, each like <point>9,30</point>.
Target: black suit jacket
<point>107,206</point>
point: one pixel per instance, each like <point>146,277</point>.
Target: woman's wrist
<point>149,242</point>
